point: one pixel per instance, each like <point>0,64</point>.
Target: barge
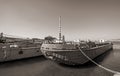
<point>70,54</point>
<point>65,52</point>
<point>17,48</point>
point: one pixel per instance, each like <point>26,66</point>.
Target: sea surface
<point>40,66</point>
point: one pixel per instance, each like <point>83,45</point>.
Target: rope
<point>116,73</point>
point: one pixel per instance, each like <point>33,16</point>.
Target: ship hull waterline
<point>75,57</point>
<point>8,53</point>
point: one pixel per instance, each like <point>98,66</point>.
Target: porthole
<point>37,50</point>
<point>20,52</point>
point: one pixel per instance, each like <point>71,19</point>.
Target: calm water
<point>40,66</point>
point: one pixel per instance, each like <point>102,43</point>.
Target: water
<point>39,66</point>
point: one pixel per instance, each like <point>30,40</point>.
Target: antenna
<point>60,28</point>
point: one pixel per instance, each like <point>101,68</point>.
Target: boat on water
<point>69,52</point>
<point>12,48</point>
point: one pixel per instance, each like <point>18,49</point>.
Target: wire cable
<point>116,73</point>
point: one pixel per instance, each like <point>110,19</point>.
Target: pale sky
<point>81,19</point>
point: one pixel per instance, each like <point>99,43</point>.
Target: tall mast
<point>60,28</point>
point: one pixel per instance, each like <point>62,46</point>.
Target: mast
<point>60,28</point>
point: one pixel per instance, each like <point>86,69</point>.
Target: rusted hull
<point>8,53</point>
<point>75,57</point>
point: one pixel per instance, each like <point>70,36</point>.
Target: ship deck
<point>39,66</point>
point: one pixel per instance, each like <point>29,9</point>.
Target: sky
<point>80,19</point>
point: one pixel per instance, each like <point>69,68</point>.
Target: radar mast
<point>60,28</point>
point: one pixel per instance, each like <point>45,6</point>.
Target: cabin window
<point>47,48</point>
<point>20,52</point>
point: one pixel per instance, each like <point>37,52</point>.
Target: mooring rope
<point>116,73</point>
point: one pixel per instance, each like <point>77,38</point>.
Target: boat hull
<point>8,53</point>
<point>75,57</point>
